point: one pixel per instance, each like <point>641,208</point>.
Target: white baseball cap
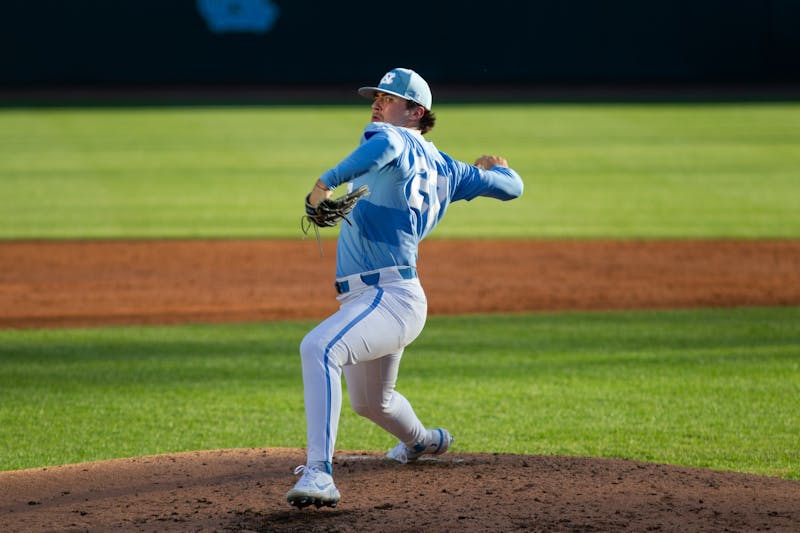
<point>404,83</point>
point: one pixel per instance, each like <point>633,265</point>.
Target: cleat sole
<point>302,503</point>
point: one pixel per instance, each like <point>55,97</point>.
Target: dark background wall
<point>498,41</point>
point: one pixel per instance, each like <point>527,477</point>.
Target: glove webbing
<point>335,210</point>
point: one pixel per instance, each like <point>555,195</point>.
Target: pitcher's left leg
<point>323,352</point>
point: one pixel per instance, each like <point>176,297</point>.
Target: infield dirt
<point>74,283</point>
<point>57,284</point>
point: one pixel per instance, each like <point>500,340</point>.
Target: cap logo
<point>388,78</point>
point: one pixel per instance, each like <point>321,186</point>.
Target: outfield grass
<point>620,171</point>
<point>710,388</point>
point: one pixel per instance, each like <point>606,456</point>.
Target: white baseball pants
<point>365,339</point>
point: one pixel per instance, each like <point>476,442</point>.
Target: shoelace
<point>299,468</point>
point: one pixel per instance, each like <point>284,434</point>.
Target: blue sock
<point>324,466</point>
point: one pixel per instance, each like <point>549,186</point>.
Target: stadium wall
<point>307,42</point>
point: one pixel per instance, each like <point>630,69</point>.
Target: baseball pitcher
<point>399,187</point>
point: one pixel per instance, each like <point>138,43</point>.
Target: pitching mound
<point>243,490</point>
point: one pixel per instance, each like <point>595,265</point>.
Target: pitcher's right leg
<point>372,395</point>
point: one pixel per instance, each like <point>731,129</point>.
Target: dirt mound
<point>243,490</point>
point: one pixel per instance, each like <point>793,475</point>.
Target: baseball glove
<point>331,211</point>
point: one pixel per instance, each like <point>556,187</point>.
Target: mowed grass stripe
<point>707,388</point>
<point>618,171</point>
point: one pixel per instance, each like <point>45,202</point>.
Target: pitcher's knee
<point>313,343</point>
<point>373,412</point>
<point>361,409</point>
<point>318,349</point>
<point>312,346</point>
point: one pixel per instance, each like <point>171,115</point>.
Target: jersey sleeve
<point>380,145</point>
<point>470,182</point>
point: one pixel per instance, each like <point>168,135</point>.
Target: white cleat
<point>314,488</point>
<point>437,442</point>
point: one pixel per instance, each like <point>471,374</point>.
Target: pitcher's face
<point>392,109</point>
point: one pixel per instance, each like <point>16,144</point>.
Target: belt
<point>366,279</point>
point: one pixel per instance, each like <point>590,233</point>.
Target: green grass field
<point>712,388</point>
<point>665,170</point>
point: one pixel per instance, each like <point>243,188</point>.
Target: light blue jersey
<point>411,185</point>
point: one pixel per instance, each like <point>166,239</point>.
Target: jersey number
<point>423,197</point>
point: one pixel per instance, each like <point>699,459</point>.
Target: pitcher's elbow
<point>514,188</point>
<point>518,189</point>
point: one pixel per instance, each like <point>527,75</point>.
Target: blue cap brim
<point>369,92</point>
